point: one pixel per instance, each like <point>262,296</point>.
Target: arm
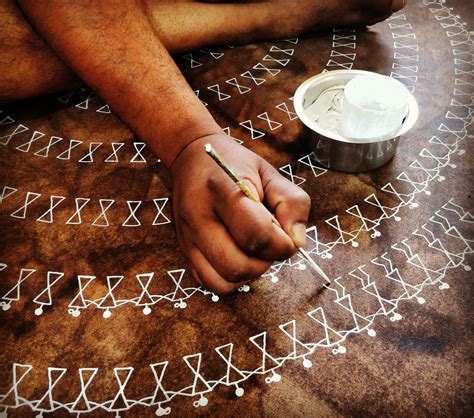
<point>227,238</point>
<point>115,50</point>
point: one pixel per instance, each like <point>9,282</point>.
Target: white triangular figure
<point>102,220</point>
<point>288,170</point>
<point>6,192</point>
<point>113,158</point>
<point>13,294</point>
<point>46,403</point>
<point>346,302</point>
<point>287,51</point>
<point>225,352</point>
<point>79,301</point>
<point>30,197</point>
<point>160,394</point>
<point>27,145</point>
<point>86,376</point>
<point>177,277</point>
<point>120,401</point>
<point>272,124</point>
<point>282,61</point>
<point>346,237</point>
<point>104,109</point>
<point>132,220</point>
<point>48,215</point>
<point>310,161</point>
<point>12,396</point>
<point>76,218</point>
<point>260,341</point>
<point>88,158</point>
<point>291,40</point>
<point>108,301</point>
<point>44,297</point>
<point>160,218</point>
<point>331,335</point>
<point>387,305</point>
<point>256,80</point>
<point>145,298</point>
<point>253,132</point>
<point>193,361</point>
<point>138,157</point>
<point>85,103</point>
<point>272,71</point>
<point>44,152</point>
<point>216,89</point>
<point>5,139</point>
<point>66,154</point>
<point>289,329</point>
<point>409,289</point>
<point>6,120</point>
<point>192,61</point>
<point>242,89</point>
<point>67,97</point>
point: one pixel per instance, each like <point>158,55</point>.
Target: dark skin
<point>89,45</point>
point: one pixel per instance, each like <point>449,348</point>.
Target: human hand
<point>228,238</point>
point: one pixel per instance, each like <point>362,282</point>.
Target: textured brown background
<point>419,366</point>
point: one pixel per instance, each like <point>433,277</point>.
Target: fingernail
<point>298,234</point>
<point>398,5</point>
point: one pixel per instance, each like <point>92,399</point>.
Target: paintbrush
<point>238,181</point>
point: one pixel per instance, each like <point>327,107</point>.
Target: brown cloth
<point>100,316</point>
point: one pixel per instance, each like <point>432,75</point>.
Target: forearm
<point>114,49</point>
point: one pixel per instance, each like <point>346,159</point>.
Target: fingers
<point>398,5</point>
<point>213,240</point>
<point>206,275</point>
<point>289,202</point>
<point>250,223</point>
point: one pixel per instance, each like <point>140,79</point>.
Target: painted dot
<point>245,287</point>
<point>397,218</point>
<point>239,392</point>
<point>341,349</point>
<point>276,377</point>
<point>107,314</point>
<point>215,298</point>
<point>307,363</point>
<point>301,266</point>
<point>397,317</point>
<point>75,313</point>
<point>467,268</point>
<point>355,244</point>
<point>421,300</point>
<point>274,280</point>
<point>414,205</point>
<point>453,165</point>
<point>146,310</point>
<point>38,311</point>
<point>461,152</point>
<point>183,305</point>
<point>6,307</point>
<point>444,286</point>
<point>203,401</point>
<point>377,234</point>
<point>329,255</point>
<point>3,414</point>
<point>441,178</point>
<point>371,333</point>
<point>427,192</point>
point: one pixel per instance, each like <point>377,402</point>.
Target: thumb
<point>289,203</point>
